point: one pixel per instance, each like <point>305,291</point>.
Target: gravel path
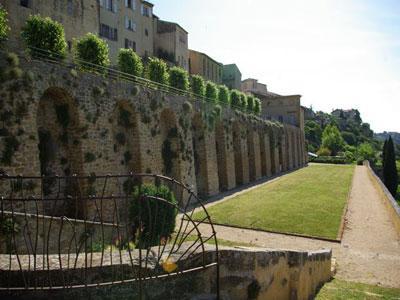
<point>370,247</point>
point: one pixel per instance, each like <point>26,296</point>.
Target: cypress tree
<point>389,170</point>
<point>384,153</point>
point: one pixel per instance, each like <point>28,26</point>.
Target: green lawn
<point>309,201</point>
<point>338,289</point>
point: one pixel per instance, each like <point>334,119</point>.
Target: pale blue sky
<point>336,53</point>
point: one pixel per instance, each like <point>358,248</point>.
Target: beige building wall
<point>77,17</point>
<point>202,64</point>
<point>127,24</point>
<point>171,43</point>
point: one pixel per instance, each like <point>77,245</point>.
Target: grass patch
<point>338,289</point>
<point>309,202</point>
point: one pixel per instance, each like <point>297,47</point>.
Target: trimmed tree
<point>157,70</point>
<point>257,106</point>
<point>223,94</point>
<point>243,101</point>
<point>91,51</point>
<point>44,36</point>
<point>235,99</point>
<point>4,28</point>
<point>149,231</point>
<point>129,62</point>
<point>179,78</point>
<point>390,176</point>
<point>198,85</point>
<point>211,91</point>
<point>250,103</point>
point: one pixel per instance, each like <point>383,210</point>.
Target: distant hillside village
<point>132,24</point>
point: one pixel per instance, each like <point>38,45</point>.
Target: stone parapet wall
<point>245,273</point>
<point>57,120</point>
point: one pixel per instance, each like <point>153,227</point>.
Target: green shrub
<point>324,152</point>
<point>257,106</point>
<point>337,160</point>
<point>211,91</point>
<point>158,70</point>
<point>129,62</point>
<point>179,78</point>
<point>198,85</point>
<point>250,103</point>
<point>91,50</point>
<point>223,94</point>
<point>154,218</point>
<point>4,28</point>
<point>235,99</point>
<point>243,101</point>
<point>44,34</point>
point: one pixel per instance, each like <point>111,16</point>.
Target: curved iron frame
<point>16,202</point>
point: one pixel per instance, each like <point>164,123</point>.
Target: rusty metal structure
<point>82,232</point>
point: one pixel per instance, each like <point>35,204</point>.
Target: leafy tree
<point>198,85</point>
<point>349,138</point>
<point>179,78</point>
<point>365,152</point>
<point>313,133</point>
<point>211,91</point>
<point>324,152</point>
<point>44,34</point>
<point>235,99</point>
<point>223,94</point>
<point>390,176</point>
<point>4,28</point>
<point>148,230</point>
<point>158,70</point>
<point>129,62</point>
<point>332,139</point>
<point>91,51</point>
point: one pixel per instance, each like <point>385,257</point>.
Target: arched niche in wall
<point>200,154</point>
<point>60,150</point>
<point>238,150</point>
<point>221,144</point>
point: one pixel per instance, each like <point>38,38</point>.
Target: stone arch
<point>221,147</point>
<point>240,150</point>
<point>200,155</point>
<point>253,150</point>
<point>60,149</point>
<point>126,136</point>
<point>170,147</point>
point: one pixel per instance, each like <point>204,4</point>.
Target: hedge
<point>250,103</point>
<point>330,160</point>
<point>155,218</point>
<point>92,50</point>
<point>198,85</point>
<point>4,28</point>
<point>129,62</point>
<point>211,91</point>
<point>157,70</point>
<point>46,34</point>
<point>243,101</point>
<point>223,94</point>
<point>179,78</point>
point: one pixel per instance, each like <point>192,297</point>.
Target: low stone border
<point>390,203</point>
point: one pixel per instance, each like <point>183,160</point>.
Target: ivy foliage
<point>91,50</point>
<point>129,62</point>
<point>4,28</point>
<point>223,94</point>
<point>198,85</point>
<point>43,33</point>
<point>179,78</point>
<point>211,91</point>
<point>158,70</point>
<point>153,221</point>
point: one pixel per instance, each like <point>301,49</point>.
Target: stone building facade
<point>202,64</point>
<point>231,76</point>
<point>171,43</point>
<point>57,120</point>
<point>78,17</point>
